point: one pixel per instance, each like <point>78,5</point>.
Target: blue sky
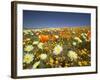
<point>41,19</point>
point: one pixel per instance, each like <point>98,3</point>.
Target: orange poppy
<point>43,38</point>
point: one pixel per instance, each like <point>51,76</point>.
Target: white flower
<point>28,58</point>
<point>43,56</point>
<point>72,55</point>
<point>57,49</point>
<point>56,36</point>
<point>28,48</point>
<point>78,39</point>
<point>35,42</point>
<point>40,45</point>
<point>74,43</point>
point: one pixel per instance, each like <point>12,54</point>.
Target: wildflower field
<point>56,47</point>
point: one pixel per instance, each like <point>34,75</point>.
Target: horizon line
<point>58,27</point>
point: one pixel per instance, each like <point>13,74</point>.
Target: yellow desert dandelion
<point>28,58</point>
<point>72,55</point>
<point>28,48</point>
<point>57,49</point>
<point>43,56</point>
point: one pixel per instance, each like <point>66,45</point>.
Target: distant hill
<point>57,28</point>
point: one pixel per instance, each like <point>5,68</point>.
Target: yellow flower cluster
<point>56,47</point>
